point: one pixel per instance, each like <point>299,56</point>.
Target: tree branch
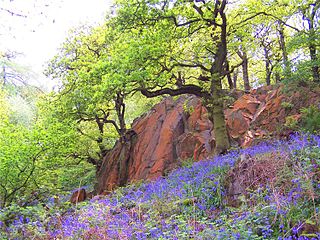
<point>269,15</point>
<point>185,89</point>
<point>189,65</point>
<point>13,13</point>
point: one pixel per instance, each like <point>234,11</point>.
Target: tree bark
<point>230,82</point>
<point>268,77</point>
<point>283,48</point>
<point>313,55</point>
<point>278,77</point>
<point>315,67</point>
<point>217,74</point>
<point>268,67</point>
<point>219,124</point>
<point>120,109</point>
<point>235,78</point>
<point>312,46</point>
<point>245,73</point>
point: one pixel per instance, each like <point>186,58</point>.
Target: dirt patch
<point>251,173</point>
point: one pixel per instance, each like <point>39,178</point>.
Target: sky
<point>43,26</point>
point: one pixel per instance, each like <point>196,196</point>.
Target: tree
<point>245,68</point>
<point>266,37</point>
<point>38,161</point>
<point>310,11</point>
<point>166,48</point>
<point>37,157</point>
<point>64,165</point>
<point>11,73</point>
<point>87,96</point>
<point>258,26</point>
<point>297,27</point>
<point>283,47</point>
<point>17,156</point>
<point>176,48</point>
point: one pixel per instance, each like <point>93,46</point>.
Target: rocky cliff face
<point>262,113</point>
<point>174,131</point>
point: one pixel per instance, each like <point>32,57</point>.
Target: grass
<point>191,203</point>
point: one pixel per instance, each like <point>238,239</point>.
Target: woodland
<point>52,143</point>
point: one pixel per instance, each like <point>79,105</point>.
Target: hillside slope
<point>174,131</point>
<point>194,202</point>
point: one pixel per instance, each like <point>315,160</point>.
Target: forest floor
<point>268,191</point>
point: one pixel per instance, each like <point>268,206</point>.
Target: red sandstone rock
<point>186,145</point>
<point>203,125</point>
<point>167,133</point>
<point>164,135</point>
<point>236,123</point>
<point>247,102</point>
<point>195,145</point>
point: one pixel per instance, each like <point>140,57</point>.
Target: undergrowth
<point>192,202</point>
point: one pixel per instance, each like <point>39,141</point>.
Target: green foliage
<point>137,105</point>
<point>287,105</point>
<point>38,156</point>
<point>18,154</point>
<point>190,203</point>
<point>302,72</point>
<point>291,122</point>
<point>187,162</point>
<point>311,119</point>
<point>66,152</point>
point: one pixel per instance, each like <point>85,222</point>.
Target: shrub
<point>311,119</point>
<point>291,122</point>
<point>287,105</point>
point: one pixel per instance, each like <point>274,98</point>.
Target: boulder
<point>237,123</point>
<point>247,102</point>
<point>261,113</point>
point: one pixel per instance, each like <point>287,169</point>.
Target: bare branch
<point>189,65</point>
<point>12,13</point>
<point>268,15</point>
<point>185,89</point>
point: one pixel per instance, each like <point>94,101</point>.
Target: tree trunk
<point>245,72</point>
<point>283,48</point>
<point>235,78</point>
<point>230,82</point>
<point>278,77</point>
<point>313,47</point>
<point>314,59</point>
<point>120,109</point>
<point>218,71</point>
<point>267,65</point>
<point>219,124</point>
<point>268,78</point>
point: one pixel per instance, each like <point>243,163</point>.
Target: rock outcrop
<point>173,131</point>
<point>262,112</point>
